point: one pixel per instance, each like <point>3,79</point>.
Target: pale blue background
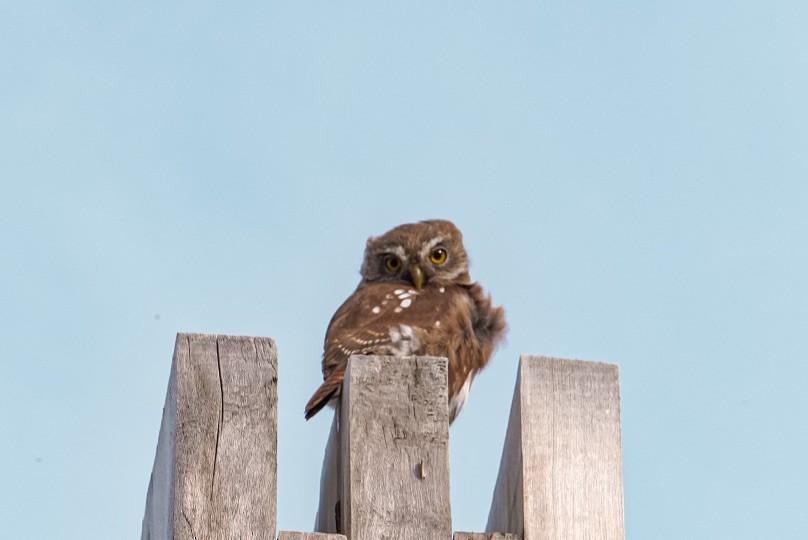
<point>631,178</point>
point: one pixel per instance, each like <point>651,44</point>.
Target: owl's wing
<point>338,348</point>
<point>344,337</point>
<point>371,321</point>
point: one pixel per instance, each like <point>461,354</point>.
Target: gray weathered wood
<point>289,535</point>
<point>158,519</point>
<point>394,449</point>
<point>214,472</point>
<point>484,536</point>
<point>561,469</point>
<point>329,481</point>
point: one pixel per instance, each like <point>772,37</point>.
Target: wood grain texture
<point>561,470</point>
<point>485,536</point>
<point>215,469</point>
<point>507,510</point>
<point>325,520</point>
<point>158,519</point>
<point>394,442</point>
<point>289,535</point>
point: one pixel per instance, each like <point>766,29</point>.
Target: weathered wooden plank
<point>326,520</point>
<point>561,469</point>
<point>289,535</point>
<point>394,449</point>
<point>158,519</point>
<point>215,468</point>
<point>507,509</point>
<point>485,536</point>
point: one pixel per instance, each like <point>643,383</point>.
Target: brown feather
<point>448,317</point>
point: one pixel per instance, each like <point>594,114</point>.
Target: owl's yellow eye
<point>438,256</point>
<point>392,263</point>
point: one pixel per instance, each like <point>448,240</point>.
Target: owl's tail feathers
<point>327,391</point>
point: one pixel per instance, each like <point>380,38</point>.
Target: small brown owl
<point>415,298</point>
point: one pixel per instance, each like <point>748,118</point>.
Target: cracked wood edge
<point>561,469</point>
<point>215,467</point>
<point>394,449</point>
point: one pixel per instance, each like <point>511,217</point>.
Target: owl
<point>415,298</point>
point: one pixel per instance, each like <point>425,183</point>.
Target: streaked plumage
<point>423,304</point>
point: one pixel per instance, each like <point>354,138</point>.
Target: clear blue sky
<point>631,179</point>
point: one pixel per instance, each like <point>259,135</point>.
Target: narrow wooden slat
<point>561,469</point>
<point>507,509</point>
<point>484,536</point>
<point>394,449</point>
<point>158,519</point>
<point>326,520</point>
<point>215,468</point>
<point>199,404</point>
<point>289,535</point>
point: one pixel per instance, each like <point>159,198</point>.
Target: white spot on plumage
<point>404,340</point>
<point>397,310</point>
<point>398,291</point>
<point>437,323</point>
<point>406,302</point>
<point>406,294</point>
<point>376,309</point>
<point>442,289</point>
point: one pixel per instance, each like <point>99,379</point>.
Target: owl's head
<point>418,254</point>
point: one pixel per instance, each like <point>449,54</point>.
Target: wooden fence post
<point>326,520</point>
<point>387,461</point>
<point>561,469</point>
<point>394,449</point>
<point>214,472</point>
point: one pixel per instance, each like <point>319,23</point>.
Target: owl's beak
<point>417,276</point>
